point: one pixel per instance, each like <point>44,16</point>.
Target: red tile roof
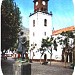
<point>55,32</point>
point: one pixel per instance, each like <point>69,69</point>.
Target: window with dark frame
<point>33,34</point>
<point>45,22</point>
<point>45,33</point>
<point>33,23</point>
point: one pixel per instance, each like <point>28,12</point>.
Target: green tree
<point>65,43</point>
<point>47,46</point>
<point>10,23</point>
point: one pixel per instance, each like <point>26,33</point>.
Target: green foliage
<point>67,35</point>
<point>48,42</point>
<point>10,23</point>
<point>67,49</point>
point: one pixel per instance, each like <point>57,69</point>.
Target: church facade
<point>41,27</point>
<point>40,23</point>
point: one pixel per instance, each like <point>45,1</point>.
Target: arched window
<point>33,23</point>
<point>45,22</point>
<point>45,33</point>
<point>33,34</point>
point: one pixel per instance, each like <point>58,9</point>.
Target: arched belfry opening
<point>41,5</point>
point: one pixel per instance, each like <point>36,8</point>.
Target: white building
<point>60,51</point>
<point>40,25</point>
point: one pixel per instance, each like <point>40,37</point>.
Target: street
<point>56,68</point>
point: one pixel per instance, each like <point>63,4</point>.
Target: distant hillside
<point>26,31</point>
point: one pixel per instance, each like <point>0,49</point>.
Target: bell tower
<point>40,26</point>
<point>41,5</point>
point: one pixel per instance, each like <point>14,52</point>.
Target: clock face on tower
<point>36,3</point>
<point>43,2</point>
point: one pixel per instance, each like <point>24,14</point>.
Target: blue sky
<point>63,12</point>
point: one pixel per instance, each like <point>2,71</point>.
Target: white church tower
<point>40,24</point>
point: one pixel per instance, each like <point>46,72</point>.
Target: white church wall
<point>39,27</point>
<point>56,55</point>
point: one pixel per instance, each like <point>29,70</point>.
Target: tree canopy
<point>10,23</point>
<point>67,35</point>
<point>48,42</point>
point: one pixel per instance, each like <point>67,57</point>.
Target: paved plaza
<point>56,68</point>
